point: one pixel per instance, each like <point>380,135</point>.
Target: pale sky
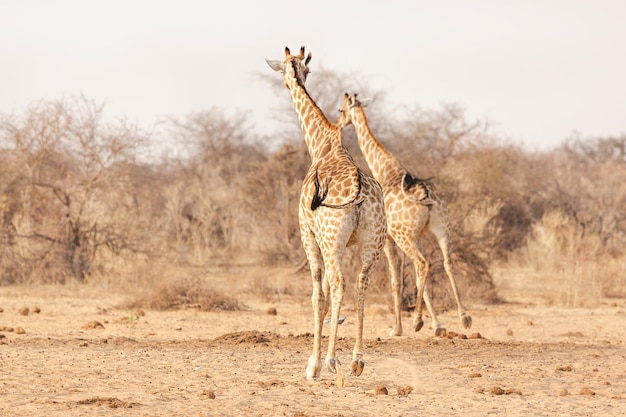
<point>537,70</point>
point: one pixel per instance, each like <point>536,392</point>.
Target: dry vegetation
<point>78,204</point>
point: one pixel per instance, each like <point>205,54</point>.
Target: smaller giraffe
<point>412,208</point>
<point>339,206</point>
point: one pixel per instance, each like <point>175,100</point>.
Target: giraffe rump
<point>321,191</point>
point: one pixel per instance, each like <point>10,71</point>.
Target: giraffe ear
<point>275,64</point>
<point>308,59</point>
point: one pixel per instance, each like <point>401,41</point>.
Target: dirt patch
<point>230,363</point>
<point>107,402</point>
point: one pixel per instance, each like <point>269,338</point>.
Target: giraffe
<point>339,206</point>
<point>413,209</point>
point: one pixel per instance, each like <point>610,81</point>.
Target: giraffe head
<point>350,102</point>
<point>294,67</point>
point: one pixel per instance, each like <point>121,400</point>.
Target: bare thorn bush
<point>79,205</point>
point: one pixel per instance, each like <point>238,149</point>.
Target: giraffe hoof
<point>418,324</point>
<point>341,320</point>
<point>313,370</point>
<point>395,332</point>
<point>357,367</point>
<point>331,364</point>
<point>440,331</point>
<point>466,320</point>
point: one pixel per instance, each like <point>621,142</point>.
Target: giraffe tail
<point>420,190</point>
<point>321,191</point>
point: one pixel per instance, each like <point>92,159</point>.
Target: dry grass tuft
<point>172,295</point>
<point>110,402</point>
<point>381,390</point>
<point>92,325</point>
<point>564,266</point>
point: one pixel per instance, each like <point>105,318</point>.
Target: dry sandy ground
<point>531,361</point>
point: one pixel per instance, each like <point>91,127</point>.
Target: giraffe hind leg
<point>396,284</point>
<point>336,284</point>
<point>422,268</point>
<point>318,300</point>
<point>442,239</point>
<point>436,324</point>
<point>373,242</point>
<point>358,363</point>
<point>314,365</point>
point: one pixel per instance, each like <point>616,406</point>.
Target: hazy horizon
<point>538,71</point>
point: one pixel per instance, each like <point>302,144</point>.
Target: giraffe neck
<point>315,126</point>
<point>377,157</point>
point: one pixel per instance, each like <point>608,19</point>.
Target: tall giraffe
<point>413,209</point>
<point>339,206</point>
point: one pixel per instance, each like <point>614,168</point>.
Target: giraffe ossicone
<point>339,206</point>
<point>412,208</point>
